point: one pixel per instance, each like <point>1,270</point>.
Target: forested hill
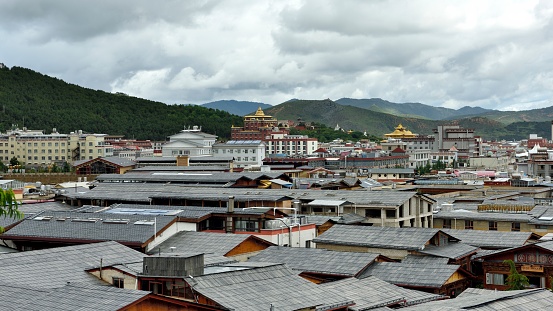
<point>40,102</point>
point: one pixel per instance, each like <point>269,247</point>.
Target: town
<point>269,220</point>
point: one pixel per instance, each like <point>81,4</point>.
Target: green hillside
<point>330,113</point>
<point>534,115</point>
<point>412,110</point>
<point>376,123</point>
<point>39,102</point>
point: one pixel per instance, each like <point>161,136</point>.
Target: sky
<point>491,54</point>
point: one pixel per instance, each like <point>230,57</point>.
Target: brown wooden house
<point>535,261</point>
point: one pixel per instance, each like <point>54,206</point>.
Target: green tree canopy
<point>515,280</point>
<point>8,205</point>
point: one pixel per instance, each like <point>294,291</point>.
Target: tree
<point>515,280</point>
<point>8,205</point>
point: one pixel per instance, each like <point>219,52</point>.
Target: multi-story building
<point>291,144</point>
<point>189,142</point>
<point>448,136</point>
<point>33,148</point>
<point>278,141</point>
<point>246,153</point>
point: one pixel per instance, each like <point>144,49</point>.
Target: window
<point>118,282</point>
<point>447,224</point>
<point>492,225</point>
<point>515,226</point>
<point>245,224</point>
<point>469,225</point>
<point>495,278</point>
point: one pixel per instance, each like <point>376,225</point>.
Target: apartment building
<point>33,148</point>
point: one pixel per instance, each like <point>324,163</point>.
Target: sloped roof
<point>142,192</point>
<point>379,237</point>
<point>539,299</point>
<point>452,250</point>
<point>117,161</point>
<point>73,296</point>
<point>54,267</point>
<point>490,239</point>
<point>204,242</point>
<point>317,260</point>
<point>409,274</point>
<point>415,259</point>
<point>91,227</point>
<point>372,292</point>
<point>259,288</point>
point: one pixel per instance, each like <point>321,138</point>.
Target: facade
<point>535,261</point>
<point>448,136</point>
<point>190,142</point>
<point>292,145</point>
<point>256,127</point>
<point>33,148</point>
<point>498,216</point>
<point>246,153</point>
<point>418,149</point>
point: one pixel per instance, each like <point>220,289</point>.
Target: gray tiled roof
<point>258,288</point>
<point>490,239</point>
<point>539,299</point>
<point>54,267</point>
<point>319,219</point>
<point>70,226</point>
<point>195,168</point>
<point>452,250</point>
<point>141,192</point>
<point>378,237</point>
<point>409,274</point>
<point>114,160</point>
<point>425,260</point>
<point>317,260</point>
<point>204,242</point>
<point>210,177</point>
<point>76,297</point>
<point>372,292</point>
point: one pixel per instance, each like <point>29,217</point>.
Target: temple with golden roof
<point>400,132</point>
<point>257,126</point>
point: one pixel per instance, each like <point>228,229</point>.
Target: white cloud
<point>495,54</point>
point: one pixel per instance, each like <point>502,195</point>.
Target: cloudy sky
<point>492,54</point>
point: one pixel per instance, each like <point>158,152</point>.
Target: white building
<point>246,153</point>
<point>190,142</point>
<point>291,144</point>
<point>417,149</point>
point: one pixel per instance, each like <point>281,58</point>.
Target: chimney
<point>230,205</point>
<point>183,161</point>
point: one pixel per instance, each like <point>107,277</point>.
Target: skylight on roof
<point>145,222</point>
<point>546,218</point>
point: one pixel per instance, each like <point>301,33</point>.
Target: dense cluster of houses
<point>342,230</point>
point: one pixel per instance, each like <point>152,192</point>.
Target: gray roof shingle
<point>88,227</point>
<point>317,260</point>
<point>409,274</point>
<point>258,288</point>
<point>54,267</point>
<point>372,292</point>
<point>490,239</point>
<point>539,299</point>
<point>378,237</point>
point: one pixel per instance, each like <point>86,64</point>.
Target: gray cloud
<point>494,54</point>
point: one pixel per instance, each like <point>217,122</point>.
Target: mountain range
<point>377,116</point>
<point>36,101</point>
